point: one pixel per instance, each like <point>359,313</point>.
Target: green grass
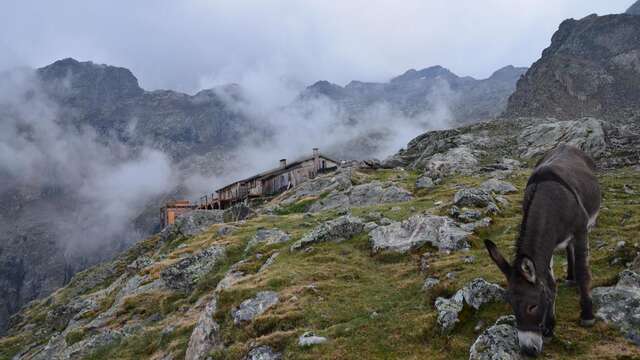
<point>372,306</point>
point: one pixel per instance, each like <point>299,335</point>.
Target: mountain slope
<point>591,68</point>
<point>158,300</point>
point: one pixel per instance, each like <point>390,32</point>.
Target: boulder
<point>424,182</point>
<point>499,342</point>
<point>448,310</point>
<point>472,197</point>
<point>587,134</point>
<point>430,283</point>
<point>619,305</point>
<point>340,229</point>
<point>475,293</point>
<point>498,187</point>
<point>268,237</point>
<point>206,334</point>
<point>309,339</point>
<point>458,160</point>
<point>375,192</point>
<point>263,353</point>
<point>439,231</point>
<point>269,261</point>
<point>255,306</point>
<point>185,273</point>
<point>479,291</point>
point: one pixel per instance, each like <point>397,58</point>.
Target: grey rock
<point>430,283</point>
<point>309,339</point>
<point>448,310</point>
<point>269,262</point>
<point>479,292</point>
<point>499,342</point>
<point>472,197</point>
<point>424,182</point>
<point>439,231</point>
<point>587,134</point>
<point>372,193</point>
<point>185,273</point>
<point>140,263</point>
<point>263,353</point>
<point>206,334</point>
<point>459,160</point>
<point>475,293</point>
<point>268,237</point>
<point>340,229</point>
<point>225,230</point>
<point>498,186</point>
<point>255,306</point>
<point>370,226</point>
<point>469,259</point>
<point>619,305</point>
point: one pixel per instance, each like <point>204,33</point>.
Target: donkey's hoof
<point>570,283</point>
<point>587,322</point>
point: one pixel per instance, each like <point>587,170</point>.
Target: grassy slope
<point>373,306</point>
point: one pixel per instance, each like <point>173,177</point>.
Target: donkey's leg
<point>583,277</point>
<point>571,261</point>
<point>550,316</point>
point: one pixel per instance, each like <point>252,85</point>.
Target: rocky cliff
<point>591,68</point>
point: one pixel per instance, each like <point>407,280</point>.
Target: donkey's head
<point>530,298</point>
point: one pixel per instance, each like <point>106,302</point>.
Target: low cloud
<point>102,183</point>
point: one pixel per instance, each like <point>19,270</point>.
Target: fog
<point>104,183</point>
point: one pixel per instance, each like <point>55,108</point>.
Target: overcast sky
<point>192,44</point>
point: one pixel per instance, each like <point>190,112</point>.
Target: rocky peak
<point>591,68</point>
<point>508,73</point>
<point>71,78</point>
<point>429,73</point>
<point>634,9</point>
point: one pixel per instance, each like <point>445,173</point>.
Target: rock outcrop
<point>206,335</point>
<point>499,342</point>
<point>263,353</point>
<point>255,306</point>
<point>475,294</point>
<point>268,237</point>
<point>619,305</point>
<point>591,68</point>
<point>372,193</point>
<point>587,134</point>
<point>438,231</point>
<point>340,229</point>
<point>186,272</point>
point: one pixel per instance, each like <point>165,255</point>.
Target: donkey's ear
<point>498,258</point>
<point>528,270</point>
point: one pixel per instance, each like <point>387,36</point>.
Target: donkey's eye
<point>532,309</point>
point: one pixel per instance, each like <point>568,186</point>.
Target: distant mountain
<point>427,91</point>
<point>109,99</point>
<point>591,68</point>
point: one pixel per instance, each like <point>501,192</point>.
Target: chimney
<point>316,160</point>
<point>283,163</point>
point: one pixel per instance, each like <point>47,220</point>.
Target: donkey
<point>561,204</point>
